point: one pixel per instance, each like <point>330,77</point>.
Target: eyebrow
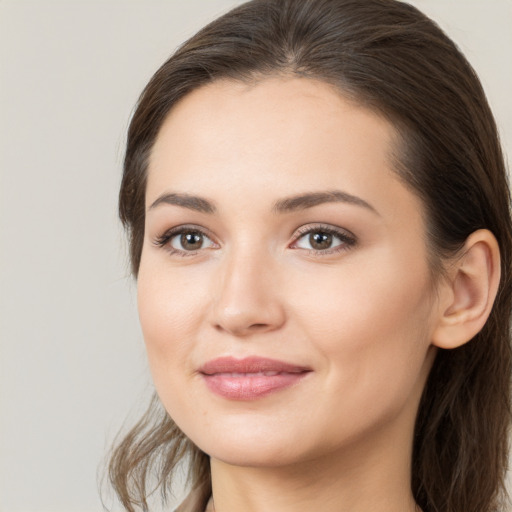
<point>195,203</point>
<point>303,201</point>
<point>286,205</point>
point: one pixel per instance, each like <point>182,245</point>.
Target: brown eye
<point>187,241</point>
<point>324,240</point>
<point>191,241</point>
<point>320,241</point>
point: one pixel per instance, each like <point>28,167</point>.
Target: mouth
<point>250,378</point>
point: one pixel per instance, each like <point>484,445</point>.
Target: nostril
<point>241,330</point>
<point>257,326</point>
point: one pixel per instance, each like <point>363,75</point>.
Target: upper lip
<point>253,364</point>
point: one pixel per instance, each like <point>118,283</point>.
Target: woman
<point>319,223</point>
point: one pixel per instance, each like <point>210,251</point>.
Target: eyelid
<point>347,237</point>
<point>165,238</point>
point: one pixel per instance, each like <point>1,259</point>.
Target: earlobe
<point>467,295</point>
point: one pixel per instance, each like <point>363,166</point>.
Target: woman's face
<point>284,292</point>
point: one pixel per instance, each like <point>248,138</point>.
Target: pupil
<point>191,241</point>
<point>320,240</point>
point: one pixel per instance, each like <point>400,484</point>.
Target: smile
<point>250,378</point>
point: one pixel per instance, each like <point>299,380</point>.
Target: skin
<point>361,315</point>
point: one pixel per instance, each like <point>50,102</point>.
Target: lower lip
<point>250,387</point>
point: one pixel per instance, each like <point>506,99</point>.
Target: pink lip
<point>250,378</point>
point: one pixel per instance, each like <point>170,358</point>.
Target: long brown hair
<point>391,58</point>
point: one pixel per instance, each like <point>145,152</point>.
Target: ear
<point>467,295</point>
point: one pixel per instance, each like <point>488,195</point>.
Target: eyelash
<point>347,239</point>
<point>165,239</point>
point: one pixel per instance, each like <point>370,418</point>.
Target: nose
<point>247,296</point>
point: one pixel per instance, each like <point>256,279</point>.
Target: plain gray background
<point>72,363</point>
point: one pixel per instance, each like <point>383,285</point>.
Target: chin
<point>249,446</point>
<point>256,454</point>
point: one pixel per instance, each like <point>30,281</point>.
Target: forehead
<point>270,112</point>
<point>278,136</point>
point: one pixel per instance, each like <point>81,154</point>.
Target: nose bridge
<point>246,298</point>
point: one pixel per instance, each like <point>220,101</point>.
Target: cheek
<point>377,295</point>
<point>170,306</point>
<point>372,324</point>
<point>169,311</point>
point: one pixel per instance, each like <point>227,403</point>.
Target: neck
<point>356,480</point>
